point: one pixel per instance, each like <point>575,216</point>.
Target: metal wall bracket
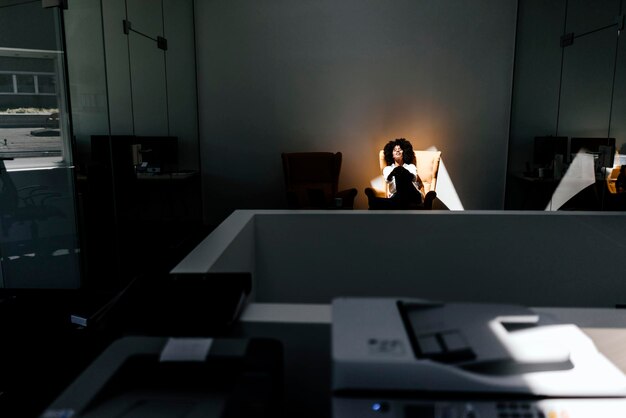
<point>47,4</point>
<point>162,43</point>
<point>567,39</point>
<point>127,26</point>
<point>620,22</point>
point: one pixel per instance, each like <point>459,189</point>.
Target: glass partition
<point>133,100</point>
<point>566,142</point>
<point>39,245</point>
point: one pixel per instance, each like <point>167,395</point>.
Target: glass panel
<point>566,98</point>
<point>38,227</point>
<point>25,83</point>
<point>29,117</point>
<point>535,97</point>
<point>6,83</point>
<point>47,84</point>
<point>588,15</point>
<point>38,240</point>
<point>587,83</point>
<point>147,70</point>
<point>87,75</point>
<point>181,81</point>
<point>618,112</point>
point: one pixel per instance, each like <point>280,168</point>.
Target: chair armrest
<point>348,196</point>
<point>292,200</point>
<point>370,192</point>
<point>428,199</point>
<point>375,199</point>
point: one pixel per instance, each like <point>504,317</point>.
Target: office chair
<point>312,179</point>
<point>427,164</point>
<point>27,204</point>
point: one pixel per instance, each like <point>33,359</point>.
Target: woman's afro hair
<point>407,151</point>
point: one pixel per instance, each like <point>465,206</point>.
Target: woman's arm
<point>386,171</point>
<point>411,169</point>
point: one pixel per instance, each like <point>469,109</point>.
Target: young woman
<point>405,186</point>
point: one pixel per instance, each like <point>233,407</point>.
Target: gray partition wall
<point>536,259</point>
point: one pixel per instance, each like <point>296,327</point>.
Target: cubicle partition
<point>536,259</point>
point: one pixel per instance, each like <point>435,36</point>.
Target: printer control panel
<point>442,408</point>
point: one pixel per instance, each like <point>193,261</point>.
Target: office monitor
<point>591,145</point>
<point>547,147</point>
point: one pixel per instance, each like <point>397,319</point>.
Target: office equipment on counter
<point>127,154</point>
<point>546,148</point>
<point>181,304</point>
<point>591,145</point>
<point>415,358</point>
<point>178,377</point>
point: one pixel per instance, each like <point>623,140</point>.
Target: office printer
<point>419,359</point>
<point>141,377</point>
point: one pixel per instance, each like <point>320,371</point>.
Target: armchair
<point>427,163</point>
<point>613,199</point>
<point>611,178</point>
<point>311,181</point>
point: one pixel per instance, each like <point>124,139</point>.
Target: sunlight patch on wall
<point>446,192</point>
<point>578,176</point>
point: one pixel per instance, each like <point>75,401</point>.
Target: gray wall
<point>536,259</point>
<point>294,75</point>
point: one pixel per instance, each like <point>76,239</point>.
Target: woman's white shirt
<point>392,184</point>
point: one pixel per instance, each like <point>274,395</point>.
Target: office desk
<point>135,221</point>
<point>174,176</point>
<point>168,196</point>
<point>532,193</point>
<point>305,333</point>
<point>535,193</point>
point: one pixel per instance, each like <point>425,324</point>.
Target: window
<point>6,83</point>
<point>47,84</point>
<point>32,108</point>
<point>27,83</point>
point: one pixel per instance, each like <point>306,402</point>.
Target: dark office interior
<point>130,129</point>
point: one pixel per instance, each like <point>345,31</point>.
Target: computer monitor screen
<point>592,145</point>
<point>546,147</point>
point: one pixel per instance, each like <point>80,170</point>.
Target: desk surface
<point>321,314</point>
<point>180,175</point>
